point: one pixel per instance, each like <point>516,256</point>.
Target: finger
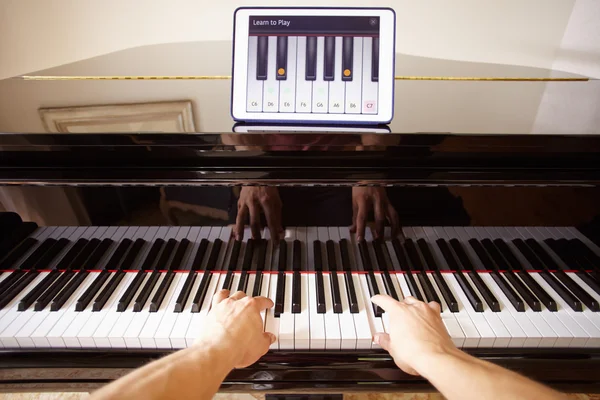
<point>220,296</point>
<point>361,220</point>
<point>240,221</point>
<point>354,212</point>
<point>254,220</point>
<point>263,303</point>
<point>382,339</point>
<point>411,300</point>
<point>435,306</point>
<point>379,218</point>
<point>393,219</point>
<point>270,337</point>
<point>238,295</point>
<point>384,301</point>
<point>272,215</point>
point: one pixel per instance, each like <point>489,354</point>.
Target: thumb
<point>270,338</point>
<point>382,339</point>
<point>384,301</point>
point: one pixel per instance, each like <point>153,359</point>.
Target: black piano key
<point>522,273</point>
<point>235,254</point>
<point>91,291</point>
<point>175,264</point>
<point>73,252</point>
<point>150,260</point>
<point>16,288</point>
<point>462,280</point>
<point>214,255</point>
<point>201,292</point>
<point>375,60</point>
<point>262,58</point>
<point>432,265</point>
<point>29,262</point>
<point>371,281</point>
<point>537,264</point>
<point>501,263</point>
<point>347,58</point>
<point>52,290</point>
<point>280,294</point>
<point>108,290</point>
<point>347,268</point>
<point>228,281</point>
<point>574,261</point>
<point>261,246</point>
<point>36,258</point>
<point>117,256</point>
<point>44,261</point>
<point>378,246</point>
<point>92,262</point>
<point>160,294</point>
<point>257,284</point>
<point>333,278</point>
<point>403,262</point>
<point>84,254</point>
<point>345,255</point>
<point>248,254</point>
<point>296,255</point>
<point>573,287</point>
<point>61,298</point>
<point>144,294</point>
<point>321,308</point>
<point>465,264</point>
<point>329,59</point>
<point>426,285</point>
<point>311,58</point>
<point>200,253</point>
<point>282,57</point>
<point>296,293</point>
<point>508,291</point>
<point>17,237</point>
<point>130,291</point>
<point>37,291</point>
<point>167,251</point>
<point>585,251</point>
<point>282,266</point>
<point>11,258</point>
<point>132,254</point>
<point>184,294</point>
<point>243,282</point>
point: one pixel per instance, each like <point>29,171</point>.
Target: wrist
<point>217,352</point>
<point>430,361</point>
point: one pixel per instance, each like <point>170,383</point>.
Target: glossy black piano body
<point>558,166</point>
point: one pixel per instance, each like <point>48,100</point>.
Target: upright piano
<point>501,230</point>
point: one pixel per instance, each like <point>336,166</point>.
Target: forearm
<point>196,372</point>
<point>458,375</point>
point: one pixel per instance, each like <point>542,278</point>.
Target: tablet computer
<point>313,65</point>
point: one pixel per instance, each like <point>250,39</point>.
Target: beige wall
<point>39,34</point>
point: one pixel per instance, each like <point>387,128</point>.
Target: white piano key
<point>271,323</point>
<point>185,317</point>
<point>266,276</point>
<point>581,328</point>
<point>369,88</point>
<point>12,321</point>
<point>317,322</point>
<point>347,327</point>
<point>565,337</point>
<point>162,337</point>
<point>354,87</point>
<point>364,336</point>
<point>320,88</point>
<point>594,317</point>
<point>337,87</point>
<point>548,336</point>
<point>333,335</point>
<point>303,87</point>
<point>287,87</point>
<point>271,85</point>
<point>254,91</point>
<point>286,319</point>
<point>197,320</point>
<point>106,319</point>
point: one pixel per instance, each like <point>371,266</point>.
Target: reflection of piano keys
<point>313,74</point>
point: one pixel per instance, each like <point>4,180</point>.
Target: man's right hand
<point>416,332</point>
<point>254,200</point>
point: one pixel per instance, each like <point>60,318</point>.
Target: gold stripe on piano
<point>225,77</point>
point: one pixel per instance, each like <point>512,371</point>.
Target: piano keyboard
<point>150,287</point>
<point>313,74</point>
